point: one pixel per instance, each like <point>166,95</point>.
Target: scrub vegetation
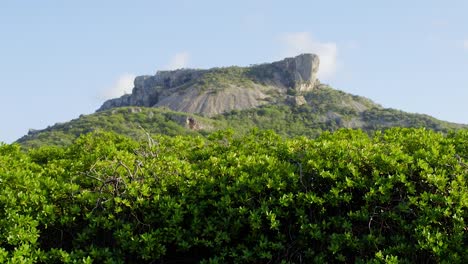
<point>397,196</point>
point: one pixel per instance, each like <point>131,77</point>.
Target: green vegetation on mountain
<point>284,96</point>
<point>130,121</point>
<point>399,196</point>
<point>326,109</point>
<point>222,78</point>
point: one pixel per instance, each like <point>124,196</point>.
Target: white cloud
<point>179,61</point>
<point>465,44</point>
<point>123,85</point>
<point>303,42</point>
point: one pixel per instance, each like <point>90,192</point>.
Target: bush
<point>399,196</point>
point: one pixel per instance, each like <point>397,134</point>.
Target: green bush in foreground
<point>399,196</point>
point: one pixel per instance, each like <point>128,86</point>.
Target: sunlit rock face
<point>219,90</point>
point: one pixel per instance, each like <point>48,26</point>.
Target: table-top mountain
<point>284,96</point>
<point>220,90</point>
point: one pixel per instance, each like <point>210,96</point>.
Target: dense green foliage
<point>398,196</point>
<point>327,109</point>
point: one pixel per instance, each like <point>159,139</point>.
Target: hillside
<point>323,109</point>
<point>284,96</point>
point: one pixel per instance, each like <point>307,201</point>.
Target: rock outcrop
<point>298,73</point>
<point>296,100</point>
<point>219,90</point>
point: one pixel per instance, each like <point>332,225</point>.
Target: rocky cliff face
<point>218,90</point>
<point>298,73</point>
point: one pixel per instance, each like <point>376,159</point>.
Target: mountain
<point>284,96</point>
<point>220,90</point>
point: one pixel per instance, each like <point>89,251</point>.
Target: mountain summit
<point>284,96</point>
<point>220,90</point>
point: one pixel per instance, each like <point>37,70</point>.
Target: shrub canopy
<point>397,196</point>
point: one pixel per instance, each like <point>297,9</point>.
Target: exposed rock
<point>305,68</point>
<point>219,90</point>
<point>134,110</point>
<point>192,123</point>
<point>147,89</point>
<point>210,103</point>
<point>189,122</point>
<point>33,131</point>
<point>298,73</point>
<point>296,100</point>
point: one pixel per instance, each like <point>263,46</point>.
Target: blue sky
<point>60,59</point>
